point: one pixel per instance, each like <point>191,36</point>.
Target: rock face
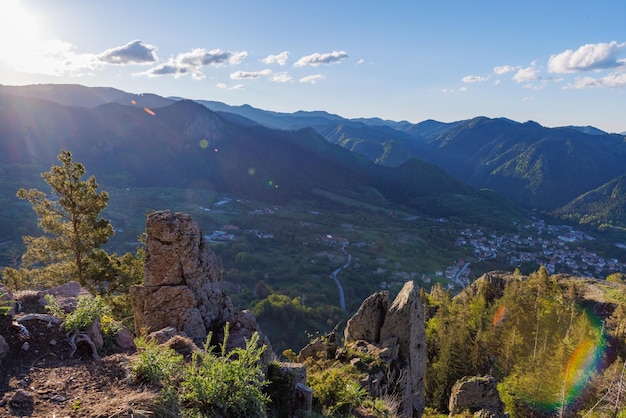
<point>182,285</point>
<point>405,321</point>
<point>397,336</point>
<point>478,395</point>
<point>367,322</point>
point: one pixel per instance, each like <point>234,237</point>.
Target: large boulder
<point>367,322</point>
<point>182,282</point>
<point>478,395</point>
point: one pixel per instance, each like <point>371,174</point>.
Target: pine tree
<point>70,219</point>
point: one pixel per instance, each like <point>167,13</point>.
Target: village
<point>558,248</point>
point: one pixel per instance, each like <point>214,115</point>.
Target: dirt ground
<point>40,378</point>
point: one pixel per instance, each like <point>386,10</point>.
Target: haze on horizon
<point>557,63</point>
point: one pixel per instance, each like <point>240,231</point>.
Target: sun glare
<point>18,32</point>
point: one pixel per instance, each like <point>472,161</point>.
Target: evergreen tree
<point>70,219</point>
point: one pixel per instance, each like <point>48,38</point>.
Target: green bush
<point>155,364</point>
<point>229,385</point>
<point>336,387</point>
<point>4,304</point>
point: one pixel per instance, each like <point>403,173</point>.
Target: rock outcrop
<point>369,319</point>
<point>182,283</point>
<point>183,287</point>
<point>405,321</point>
<point>396,335</point>
<point>478,395</point>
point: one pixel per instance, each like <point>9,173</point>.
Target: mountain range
<point>574,172</point>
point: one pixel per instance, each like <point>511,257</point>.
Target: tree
<point>70,219</point>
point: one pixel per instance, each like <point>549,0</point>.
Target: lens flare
<point>149,111</point>
<point>251,171</point>
<point>204,143</point>
<point>499,316</point>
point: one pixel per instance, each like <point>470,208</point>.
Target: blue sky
<point>555,62</point>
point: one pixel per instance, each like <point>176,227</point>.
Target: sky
<point>556,62</point>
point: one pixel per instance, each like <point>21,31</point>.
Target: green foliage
<point>336,388</point>
<point>4,304</point>
<point>616,278</point>
<point>526,338</point>
<point>156,365</point>
<point>70,220</point>
<point>228,385</point>
<point>88,309</point>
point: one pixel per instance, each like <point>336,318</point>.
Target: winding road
<point>333,275</point>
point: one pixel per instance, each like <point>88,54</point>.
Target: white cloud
<point>194,61</point>
<point>611,80</point>
<point>317,59</point>
<point>361,61</point>
<point>474,79</point>
<point>250,75</point>
<point>225,86</point>
<point>587,58</point>
<point>526,74</point>
<point>312,79</point>
<point>503,69</point>
<point>134,52</point>
<point>452,91</point>
<point>280,59</point>
<point>282,77</point>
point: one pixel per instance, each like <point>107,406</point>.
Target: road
<point>333,275</point>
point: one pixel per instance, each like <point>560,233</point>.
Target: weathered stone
<point>324,347</point>
<point>155,308</point>
<point>478,395</point>
<point>163,335</point>
<point>366,323</point>
<point>4,348</point>
<point>183,285</point>
<point>288,391</point>
<point>405,320</point>
<point>66,295</point>
<point>93,332</point>
<point>22,400</point>
<point>124,341</point>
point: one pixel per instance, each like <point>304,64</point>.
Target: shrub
<point>4,304</point>
<point>155,364</point>
<point>228,385</point>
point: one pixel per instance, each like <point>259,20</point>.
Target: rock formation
<point>182,283</point>
<point>183,286</point>
<point>405,321</point>
<point>478,395</point>
<point>396,335</point>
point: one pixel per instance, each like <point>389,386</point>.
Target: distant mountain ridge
<point>539,167</point>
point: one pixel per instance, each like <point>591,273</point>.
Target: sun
<point>19,32</point>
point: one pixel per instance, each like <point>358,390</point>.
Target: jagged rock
<point>405,321</point>
<point>324,347</point>
<point>183,286</point>
<point>478,395</point>
<point>367,322</point>
<point>182,283</point>
<point>288,390</point>
<point>4,348</point>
